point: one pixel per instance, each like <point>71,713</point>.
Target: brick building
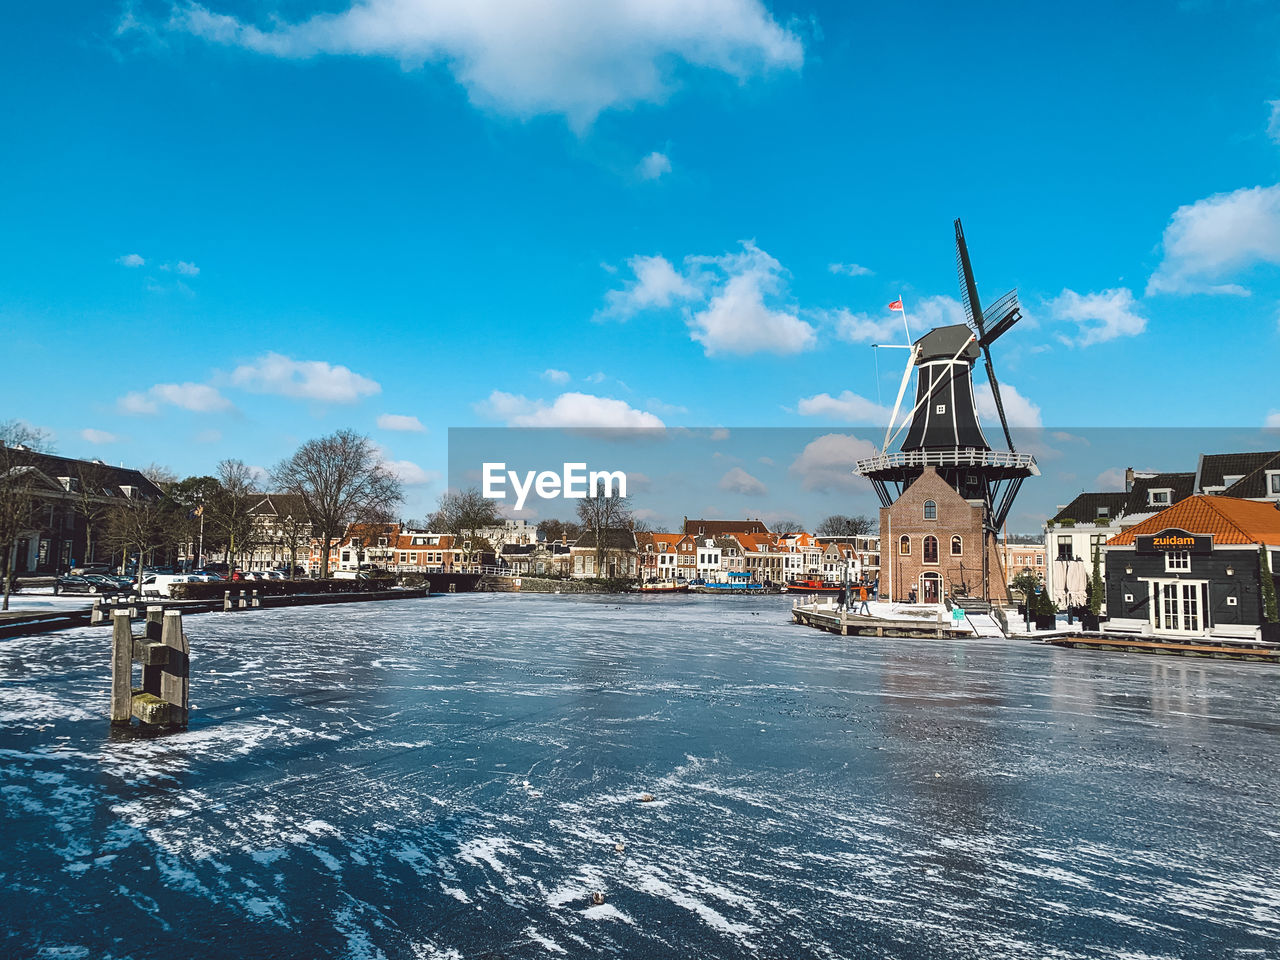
<point>931,540</point>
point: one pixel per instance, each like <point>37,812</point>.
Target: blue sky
<point>232,227</point>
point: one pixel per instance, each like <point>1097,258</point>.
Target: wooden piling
<point>121,667</point>
<point>226,601</point>
<point>175,681</point>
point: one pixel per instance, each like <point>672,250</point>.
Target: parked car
<point>109,584</point>
<point>157,584</point>
<point>72,583</point>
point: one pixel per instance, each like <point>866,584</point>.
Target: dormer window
<point>128,491</point>
<point>1273,483</point>
<point>930,510</point>
<point>1159,498</point>
<point>1104,511</point>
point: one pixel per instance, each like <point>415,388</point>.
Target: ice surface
<point>449,777</point>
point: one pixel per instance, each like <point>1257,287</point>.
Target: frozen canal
<point>449,778</point>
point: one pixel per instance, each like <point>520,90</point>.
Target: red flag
<point>896,305</point>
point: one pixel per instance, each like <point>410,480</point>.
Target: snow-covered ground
<point>43,599</point>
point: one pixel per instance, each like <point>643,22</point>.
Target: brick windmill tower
<point>944,492</point>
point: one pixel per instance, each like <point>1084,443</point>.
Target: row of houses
<point>710,550</point>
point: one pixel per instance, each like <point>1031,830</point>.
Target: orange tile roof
<point>1228,519</point>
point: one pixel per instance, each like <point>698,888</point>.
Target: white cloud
<point>1217,237</point>
<point>738,480</point>
<point>848,406</point>
<point>1100,316</point>
<point>1273,420</point>
<point>90,435</point>
<point>886,326</point>
<point>400,421</point>
<point>410,474</point>
<point>555,376</point>
<point>657,284</point>
<point>865,327</point>
<point>1111,480</point>
<point>737,320</point>
<point>1018,410</point>
<point>582,410</point>
<point>197,397</point>
<point>529,57</point>
<point>654,165</point>
<point>827,462</point>
<point>131,260</point>
<point>306,379</point>
<point>597,377</point>
<point>187,269</point>
<point>850,269</point>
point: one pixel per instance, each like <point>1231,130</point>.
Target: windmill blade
<point>995,395</point>
<point>902,389</point>
<point>968,289</point>
<point>1001,316</point>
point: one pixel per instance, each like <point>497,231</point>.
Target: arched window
<point>957,546</point>
<point>931,549</point>
<point>904,546</point>
<point>930,510</point>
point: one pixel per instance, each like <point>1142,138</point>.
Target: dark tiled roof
<point>1215,467</point>
<point>1084,508</point>
<point>614,539</point>
<point>1180,484</point>
<point>1253,485</point>
<point>281,505</point>
<point>54,466</point>
<point>714,528</point>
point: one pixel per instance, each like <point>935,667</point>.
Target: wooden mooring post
<point>165,657</point>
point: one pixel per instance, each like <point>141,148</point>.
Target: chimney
<point>1128,479</point>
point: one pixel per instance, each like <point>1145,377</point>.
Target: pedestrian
<point>862,595</point>
<point>841,599</point>
<point>911,597</point>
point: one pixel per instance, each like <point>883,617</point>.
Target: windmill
<point>943,430</point>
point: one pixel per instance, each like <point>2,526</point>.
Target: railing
<point>948,458</point>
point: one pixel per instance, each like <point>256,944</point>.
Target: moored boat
<point>811,585</point>
<point>661,586</point>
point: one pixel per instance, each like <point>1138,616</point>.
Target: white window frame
<point>1154,501</point>
<point>1177,561</point>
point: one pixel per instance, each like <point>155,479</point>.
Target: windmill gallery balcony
<point>1000,464</point>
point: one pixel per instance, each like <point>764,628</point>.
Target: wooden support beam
<point>149,708</point>
<point>151,669</point>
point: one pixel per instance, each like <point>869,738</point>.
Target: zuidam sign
<point>1167,540</point>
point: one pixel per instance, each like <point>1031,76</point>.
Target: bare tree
<point>464,514</point>
<point>785,526</point>
<point>90,503</point>
<point>342,480</point>
<point>140,521</point>
<point>228,508</point>
<point>18,498</point>
<point>838,525</point>
<point>550,529</point>
<point>603,511</point>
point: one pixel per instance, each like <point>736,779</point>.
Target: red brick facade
<point>931,542</point>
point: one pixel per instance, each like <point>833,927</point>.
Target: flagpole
<point>903,303</point>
